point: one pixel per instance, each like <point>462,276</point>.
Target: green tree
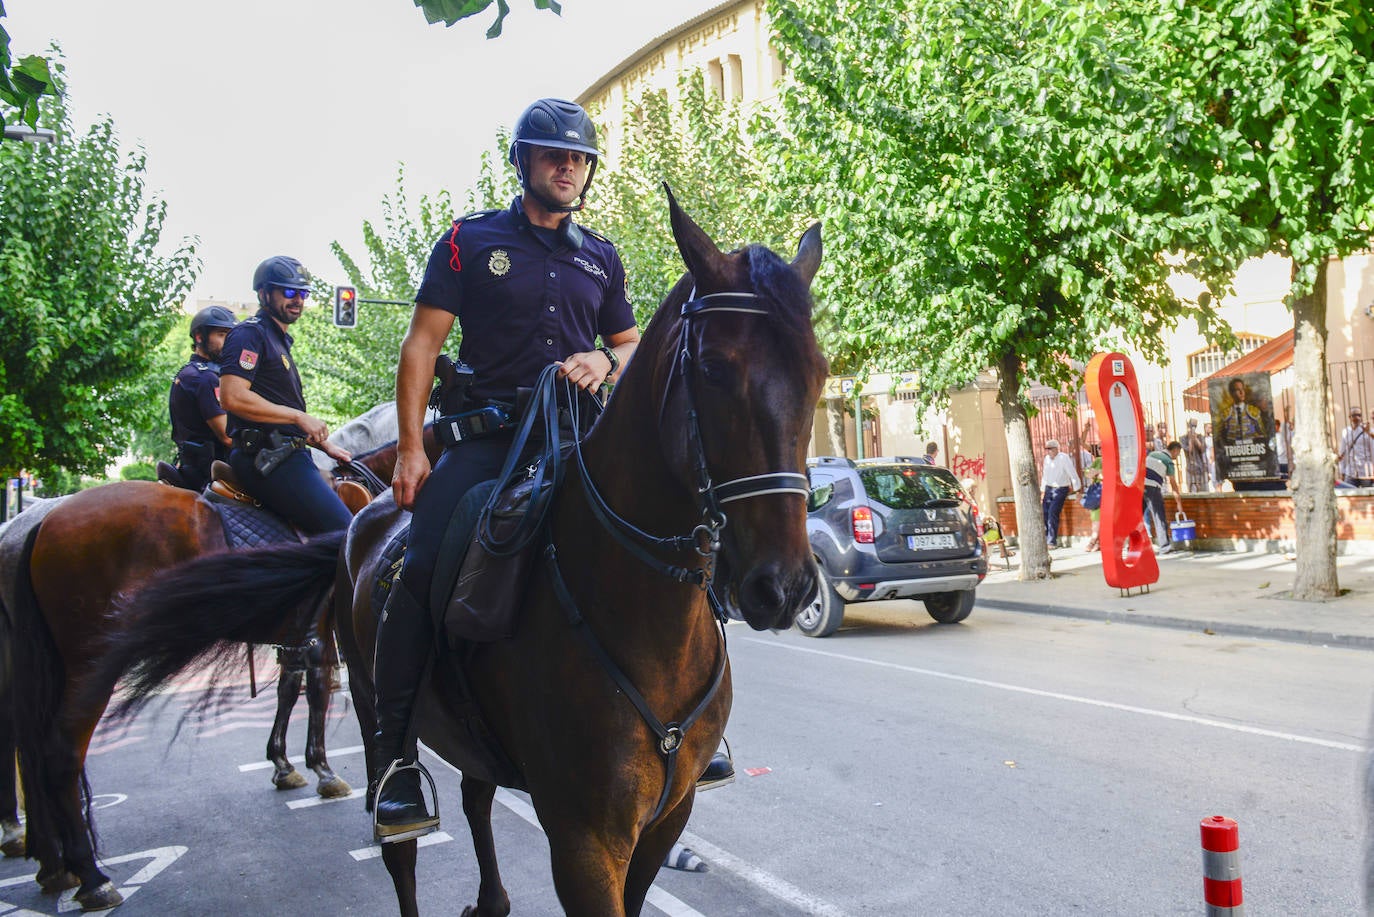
<point>85,297</point>
<point>348,370</point>
<point>703,147</point>
<point>998,196</point>
<point>450,11</point>
<point>1279,96</point>
<point>22,83</point>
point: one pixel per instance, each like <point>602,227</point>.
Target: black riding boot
<point>404,643</point>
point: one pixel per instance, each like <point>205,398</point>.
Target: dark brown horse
<point>613,692</point>
<point>87,552</point>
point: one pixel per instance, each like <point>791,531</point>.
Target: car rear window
<point>909,487</point>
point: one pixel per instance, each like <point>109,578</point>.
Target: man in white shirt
<point>1356,458</point>
<point>1058,478</point>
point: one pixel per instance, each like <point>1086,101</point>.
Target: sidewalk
<point>1228,594</point>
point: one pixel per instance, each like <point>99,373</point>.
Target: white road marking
<point>321,801</point>
<point>161,858</point>
<point>778,888</point>
<point>299,760</point>
<point>657,897</point>
<point>429,840</point>
<point>1072,698</point>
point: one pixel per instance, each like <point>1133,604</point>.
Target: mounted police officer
<point>199,427</point>
<point>529,287</point>
<point>261,390</point>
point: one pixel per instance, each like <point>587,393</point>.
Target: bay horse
<point>612,694</point>
<point>79,560</point>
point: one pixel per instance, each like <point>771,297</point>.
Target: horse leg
<point>653,846</point>
<point>284,774</point>
<point>317,691</point>
<point>587,874</point>
<point>492,900</point>
<point>400,863</point>
<point>11,833</point>
<point>77,836</point>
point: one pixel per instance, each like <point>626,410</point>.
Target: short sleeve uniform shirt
<point>259,351</point>
<point>524,297</point>
<point>194,400</point>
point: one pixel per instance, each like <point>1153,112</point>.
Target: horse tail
<point>197,613</point>
<point>39,679</point>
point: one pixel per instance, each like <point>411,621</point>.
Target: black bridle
<point>704,539</point>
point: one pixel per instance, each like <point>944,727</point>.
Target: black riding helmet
<point>562,125</point>
<point>210,318</point>
<point>281,271</point>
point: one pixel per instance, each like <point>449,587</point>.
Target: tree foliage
<point>703,147</point>
<point>22,83</point>
<point>451,11</point>
<point>85,297</point>
<point>346,371</point>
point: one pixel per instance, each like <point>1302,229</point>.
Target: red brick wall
<point>1253,516</point>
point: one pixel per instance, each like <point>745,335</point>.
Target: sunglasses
<point>293,292</point>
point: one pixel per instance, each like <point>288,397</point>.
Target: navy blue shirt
<point>259,351</point>
<point>523,299</point>
<point>194,400</point>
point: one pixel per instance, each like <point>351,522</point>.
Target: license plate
<point>928,542</point>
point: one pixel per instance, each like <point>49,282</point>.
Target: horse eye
<point>717,372</point>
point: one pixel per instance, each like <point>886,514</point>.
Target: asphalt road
<point>1015,764</point>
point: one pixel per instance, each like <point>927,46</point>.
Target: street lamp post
<point>34,135</point>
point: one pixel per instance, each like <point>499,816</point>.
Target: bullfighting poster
<point>1243,427</point>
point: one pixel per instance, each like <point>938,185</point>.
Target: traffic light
<point>345,307</point>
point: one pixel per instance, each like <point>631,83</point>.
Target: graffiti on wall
<point>968,467</point>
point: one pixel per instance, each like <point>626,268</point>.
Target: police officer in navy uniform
<point>261,390</point>
<point>199,427</point>
<point>529,287</point>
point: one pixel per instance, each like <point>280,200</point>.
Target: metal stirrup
<point>426,826</point>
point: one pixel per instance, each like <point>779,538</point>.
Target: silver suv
<point>890,528</point>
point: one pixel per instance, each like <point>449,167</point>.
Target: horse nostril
<point>763,589</point>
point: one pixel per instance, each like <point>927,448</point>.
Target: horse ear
<point>703,257</point>
<point>808,259</point>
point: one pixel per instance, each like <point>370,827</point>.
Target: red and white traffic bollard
<point>1221,867</point>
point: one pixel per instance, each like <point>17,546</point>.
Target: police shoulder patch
<point>594,234</point>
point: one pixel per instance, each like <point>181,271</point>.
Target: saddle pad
<point>250,527</point>
<point>454,547</point>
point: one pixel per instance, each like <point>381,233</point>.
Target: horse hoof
<point>291,780</point>
<point>101,898</point>
<point>53,883</point>
<point>12,843</point>
<point>333,788</point>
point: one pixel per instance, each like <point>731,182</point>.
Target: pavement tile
<point>1233,594</point>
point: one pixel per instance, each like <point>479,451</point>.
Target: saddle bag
<point>491,586</point>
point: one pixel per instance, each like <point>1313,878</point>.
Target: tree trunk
<point>1314,464</point>
<point>834,420</point>
<point>1025,485</point>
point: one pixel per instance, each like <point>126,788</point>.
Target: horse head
<point>737,395</point>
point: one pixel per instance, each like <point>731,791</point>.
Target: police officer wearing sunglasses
<point>260,389</point>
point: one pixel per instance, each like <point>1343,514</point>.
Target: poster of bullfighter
<point>1243,427</point>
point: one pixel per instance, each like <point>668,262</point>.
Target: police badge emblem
<point>248,359</point>
<point>286,362</point>
<point>499,263</point>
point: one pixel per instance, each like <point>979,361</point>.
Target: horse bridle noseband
<point>704,539</point>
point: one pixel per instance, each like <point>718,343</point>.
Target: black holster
<point>276,449</point>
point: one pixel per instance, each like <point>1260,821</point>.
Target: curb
<point>1212,628</point>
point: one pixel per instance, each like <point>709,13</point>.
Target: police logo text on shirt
<point>248,359</point>
<point>593,269</point>
<point>499,263</point>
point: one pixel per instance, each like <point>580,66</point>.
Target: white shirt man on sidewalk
<point>1356,458</point>
<point>1058,478</point>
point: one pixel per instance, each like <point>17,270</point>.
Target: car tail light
<point>862,521</point>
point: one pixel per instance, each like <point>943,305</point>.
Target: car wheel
<point>822,617</point>
<point>950,607</point>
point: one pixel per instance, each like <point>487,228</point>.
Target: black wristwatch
<point>612,356</point>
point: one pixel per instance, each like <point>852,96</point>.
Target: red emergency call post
<point>1128,555</point>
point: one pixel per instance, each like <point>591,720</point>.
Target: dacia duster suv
<point>890,528</point>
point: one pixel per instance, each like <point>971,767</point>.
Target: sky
<point>277,126</point>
